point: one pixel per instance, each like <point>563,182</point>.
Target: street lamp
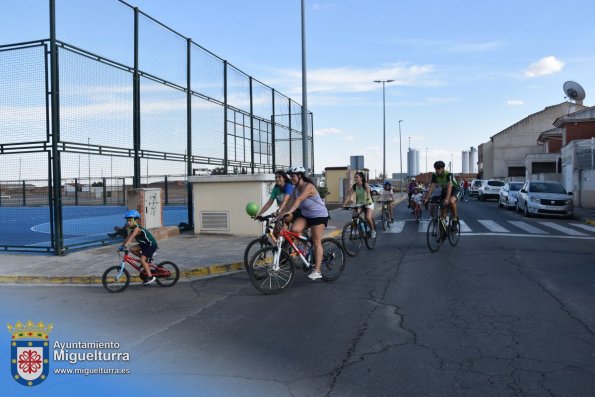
<point>426,159</point>
<point>305,158</point>
<point>401,156</point>
<point>383,125</point>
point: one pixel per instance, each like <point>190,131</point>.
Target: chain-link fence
<point>97,98</point>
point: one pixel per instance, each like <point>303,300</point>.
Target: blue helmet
<point>386,183</point>
<point>132,214</point>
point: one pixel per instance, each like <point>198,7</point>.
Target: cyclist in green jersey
<point>363,196</point>
<point>445,181</point>
<point>147,245</point>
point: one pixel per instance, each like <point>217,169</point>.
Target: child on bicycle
<point>416,199</point>
<point>146,247</point>
<point>388,198</point>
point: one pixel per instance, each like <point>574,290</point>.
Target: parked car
<point>508,194</point>
<point>474,186</point>
<point>545,198</point>
<point>376,189</point>
<point>490,188</point>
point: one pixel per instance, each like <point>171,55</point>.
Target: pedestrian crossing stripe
<point>539,229</point>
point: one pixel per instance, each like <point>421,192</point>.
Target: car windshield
<point>547,188</point>
<point>515,186</point>
<point>495,183</point>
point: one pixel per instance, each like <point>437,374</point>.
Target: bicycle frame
<point>135,263</point>
<point>290,237</point>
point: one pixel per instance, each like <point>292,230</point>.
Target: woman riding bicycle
<point>281,194</point>
<point>314,214</point>
<point>147,245</point>
<point>363,196</point>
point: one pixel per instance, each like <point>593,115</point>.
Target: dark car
<point>545,198</point>
<point>508,194</point>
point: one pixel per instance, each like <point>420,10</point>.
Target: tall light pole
<point>426,159</point>
<point>304,96</point>
<point>401,156</point>
<point>89,163</point>
<point>383,125</point>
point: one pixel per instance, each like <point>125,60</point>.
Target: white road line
<point>395,227</point>
<point>563,229</point>
<point>528,228</point>
<point>493,226</point>
<point>586,227</point>
<point>423,226</point>
<point>464,227</point>
<point>528,235</point>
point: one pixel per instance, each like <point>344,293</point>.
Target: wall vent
<point>214,220</point>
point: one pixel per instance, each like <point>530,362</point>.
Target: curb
<point>187,274</point>
<point>590,222</point>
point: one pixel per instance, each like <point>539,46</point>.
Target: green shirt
<point>361,196</point>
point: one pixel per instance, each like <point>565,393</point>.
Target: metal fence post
<point>225,156</point>
<point>56,204</point>
<point>273,131</point>
<point>189,134</point>
<point>76,191</point>
<point>104,191</point>
<point>136,107</point>
<point>166,191</point>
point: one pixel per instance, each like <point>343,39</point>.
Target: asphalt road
<point>498,315</point>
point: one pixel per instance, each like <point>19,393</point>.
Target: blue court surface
<point>31,227</point>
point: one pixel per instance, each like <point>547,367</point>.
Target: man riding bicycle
<point>445,181</point>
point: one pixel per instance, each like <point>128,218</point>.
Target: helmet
<point>412,179</point>
<point>132,214</point>
<point>298,169</point>
<point>439,164</point>
<point>386,183</point>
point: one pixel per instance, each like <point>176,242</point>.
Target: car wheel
<point>517,209</point>
<point>507,204</point>
<point>500,205</point>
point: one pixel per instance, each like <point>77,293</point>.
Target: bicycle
<point>117,278</point>
<point>272,268</point>
<point>270,229</point>
<point>385,214</point>
<point>441,227</point>
<point>417,211</point>
<point>356,231</point>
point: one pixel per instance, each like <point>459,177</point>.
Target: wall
<point>333,183</point>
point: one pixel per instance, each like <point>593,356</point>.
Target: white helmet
<point>298,169</point>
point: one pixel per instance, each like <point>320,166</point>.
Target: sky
<point>463,70</point>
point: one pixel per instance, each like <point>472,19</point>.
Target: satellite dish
<point>574,91</point>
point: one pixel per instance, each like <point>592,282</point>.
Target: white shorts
<point>371,206</point>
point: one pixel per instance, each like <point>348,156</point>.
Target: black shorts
<point>148,250</point>
<point>453,193</point>
<point>323,220</point>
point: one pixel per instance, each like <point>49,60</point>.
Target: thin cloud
<point>449,46</point>
<point>352,79</point>
<point>327,131</point>
<point>544,66</point>
<point>515,102</point>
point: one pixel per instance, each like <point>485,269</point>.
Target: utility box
<point>148,202</point>
<point>220,202</point>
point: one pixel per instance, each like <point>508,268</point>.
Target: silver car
<point>545,198</point>
<point>508,194</point>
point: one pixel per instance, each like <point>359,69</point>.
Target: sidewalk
<point>197,256</point>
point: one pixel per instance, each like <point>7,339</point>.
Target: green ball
<point>251,208</point>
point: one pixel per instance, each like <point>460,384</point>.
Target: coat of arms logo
<point>29,352</point>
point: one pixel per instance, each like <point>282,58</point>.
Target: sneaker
<point>149,281</point>
<point>392,220</point>
<point>314,275</point>
<point>373,234</point>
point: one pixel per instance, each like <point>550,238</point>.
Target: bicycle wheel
<point>454,233</point>
<point>433,236</point>
<point>265,276</point>
<point>254,246</point>
<point>166,274</point>
<point>115,280</point>
<point>333,259</point>
<point>352,239</point>
<point>370,242</point>
<point>385,220</point>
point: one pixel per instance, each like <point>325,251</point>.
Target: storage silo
<point>473,160</point>
<point>465,162</point>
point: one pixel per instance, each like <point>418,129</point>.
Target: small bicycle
<point>117,278</point>
<point>267,239</point>
<point>441,227</point>
<point>272,268</point>
<point>357,230</point>
<point>385,215</point>
<point>416,211</point>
